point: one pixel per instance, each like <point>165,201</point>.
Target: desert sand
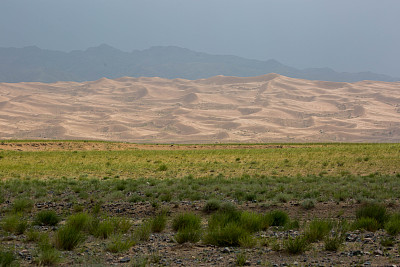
<point>268,108</point>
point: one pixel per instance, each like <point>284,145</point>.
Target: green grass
<point>392,227</point>
<point>6,258</point>
<point>296,245</point>
<point>188,234</point>
<point>304,159</point>
<point>186,220</point>
<point>14,223</point>
<point>48,255</point>
<point>333,243</point>
<point>373,211</point>
<point>366,223</point>
<point>118,245</point>
<point>277,218</point>
<point>22,205</point>
<point>317,230</point>
<point>47,217</point>
<point>68,237</point>
<point>142,232</point>
<point>212,205</point>
<point>93,184</point>
<point>158,222</point>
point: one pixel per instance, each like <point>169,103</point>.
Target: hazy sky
<point>346,35</point>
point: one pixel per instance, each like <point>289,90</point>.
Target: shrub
<point>68,237</point>
<point>32,236</point>
<point>6,258</point>
<point>80,221</point>
<point>317,230</point>
<point>241,259</point>
<point>22,205</point>
<point>388,242</point>
<point>118,245</point>
<point>251,221</point>
<point>48,255</point>
<point>186,220</point>
<point>247,241</point>
<point>162,167</point>
<point>333,243</point>
<point>228,207</point>
<point>374,211</point>
<point>221,218</point>
<point>308,204</point>
<point>292,225</point>
<point>226,235</point>
<point>158,223</point>
<point>121,225</point>
<point>277,218</point>
<point>188,234</point>
<point>212,205</point>
<point>47,217</point>
<point>296,245</point>
<point>369,224</point>
<point>104,229</point>
<point>393,225</point>
<point>142,233</point>
<point>14,224</point>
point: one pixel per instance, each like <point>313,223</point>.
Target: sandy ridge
<point>268,108</point>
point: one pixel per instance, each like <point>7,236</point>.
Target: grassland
<point>145,187</point>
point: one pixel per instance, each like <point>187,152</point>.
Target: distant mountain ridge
<point>32,64</point>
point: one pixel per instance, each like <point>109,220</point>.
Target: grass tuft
<point>211,206</point>
<point>142,232</point>
<point>392,227</point>
<point>317,230</point>
<point>14,224</point>
<point>118,245</point>
<point>368,224</point>
<point>68,237</point>
<point>373,211</point>
<point>333,243</point>
<point>186,220</point>
<point>22,205</point>
<point>277,218</point>
<point>6,258</point>
<point>296,245</point>
<point>47,217</point>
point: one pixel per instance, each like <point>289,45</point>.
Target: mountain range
<point>32,64</point>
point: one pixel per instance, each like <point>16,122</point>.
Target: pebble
<point>378,252</point>
<point>226,250</point>
<point>124,259</point>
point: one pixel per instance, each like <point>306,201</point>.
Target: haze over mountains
<point>268,108</point>
<point>32,64</point>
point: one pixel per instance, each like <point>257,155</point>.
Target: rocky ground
<point>360,248</point>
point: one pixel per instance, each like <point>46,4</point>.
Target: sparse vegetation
<point>333,243</point>
<point>277,218</point>
<point>296,245</point>
<point>6,258</point>
<point>68,237</point>
<point>142,232</point>
<point>47,217</point>
<point>393,225</point>
<point>118,245</point>
<point>212,198</point>
<point>318,230</point>
<point>373,211</point>
<point>186,220</point>
<point>15,224</point>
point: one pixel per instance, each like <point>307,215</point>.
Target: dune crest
<point>267,108</point>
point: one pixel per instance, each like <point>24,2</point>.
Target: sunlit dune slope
<point>268,108</point>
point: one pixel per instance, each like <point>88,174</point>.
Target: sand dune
<point>268,108</point>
